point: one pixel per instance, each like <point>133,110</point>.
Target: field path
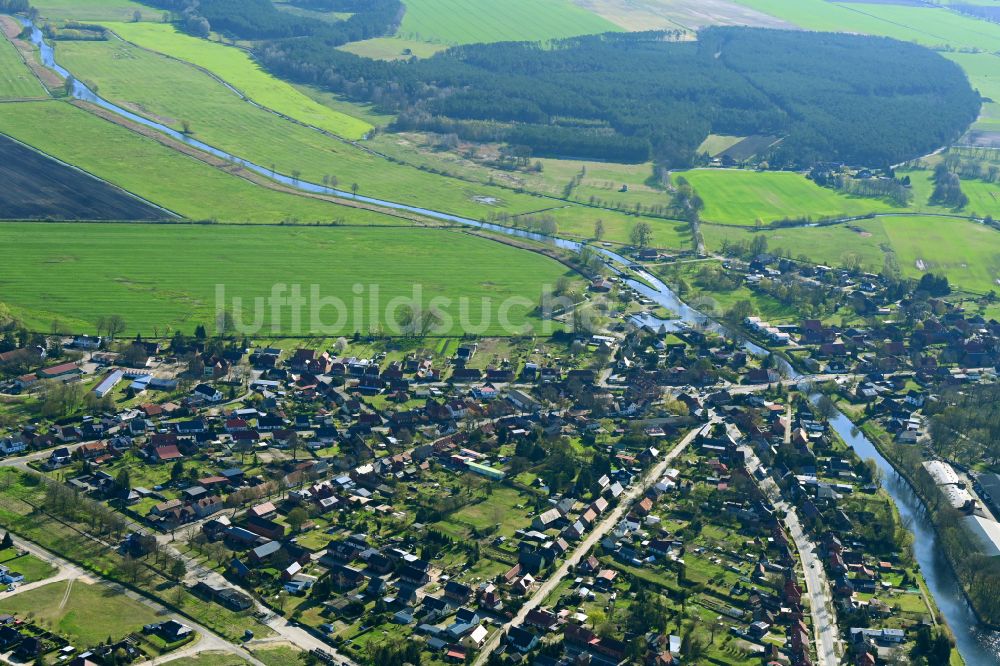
<point>69,589</point>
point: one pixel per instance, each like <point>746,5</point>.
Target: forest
<point>626,97</point>
<point>636,96</point>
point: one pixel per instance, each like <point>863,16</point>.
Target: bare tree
<point>114,324</point>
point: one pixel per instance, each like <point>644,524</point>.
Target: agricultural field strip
<point>173,280</point>
<point>35,177</point>
<point>159,174</point>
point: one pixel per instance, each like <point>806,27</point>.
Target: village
<point>643,495</point>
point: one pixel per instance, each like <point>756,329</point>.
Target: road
<point>825,630</point>
<point>635,492</point>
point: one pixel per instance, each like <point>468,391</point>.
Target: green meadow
<point>930,26</point>
<point>391,48</point>
<point>160,276</point>
<point>830,245</point>
<point>578,222</point>
<point>740,197</point>
<point>174,92</point>
<point>983,70</point>
<point>87,614</point>
<point>16,80</point>
<point>471,21</point>
<point>160,174</point>
<point>967,252</point>
<point>95,10</point>
<point>237,68</point>
<point>984,198</point>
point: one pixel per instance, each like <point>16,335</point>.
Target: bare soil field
<point>37,187</point>
<point>674,14</point>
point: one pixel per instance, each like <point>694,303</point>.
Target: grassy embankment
<point>16,80</point>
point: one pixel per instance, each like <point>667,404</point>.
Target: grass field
<point>166,275</point>
<point>930,26</point>
<point>968,253</point>
<point>238,69</point>
<point>392,48</point>
<point>174,92</point>
<point>741,197</point>
<point>95,10</point>
<point>983,70</point>
<point>89,615</point>
<point>327,16</point>
<point>471,21</point>
<point>16,80</point>
<point>497,509</point>
<point>159,174</point>
<point>825,245</point>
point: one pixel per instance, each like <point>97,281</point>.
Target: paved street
<point>600,530</point>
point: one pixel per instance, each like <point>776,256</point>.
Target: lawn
<point>87,616</point>
<point>471,21</point>
<point>16,80</point>
<point>174,92</point>
<point>167,275</point>
<point>160,174</point>
<point>33,568</point>
<point>239,70</point>
<point>740,197</point>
